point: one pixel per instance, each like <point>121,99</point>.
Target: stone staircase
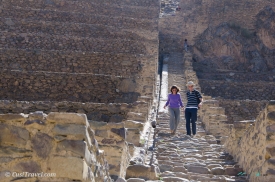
<point>179,157</point>
<point>184,158</point>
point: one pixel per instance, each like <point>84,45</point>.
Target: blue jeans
<point>191,117</point>
<point>174,118</point>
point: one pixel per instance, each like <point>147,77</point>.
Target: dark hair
<point>176,87</point>
<point>185,39</point>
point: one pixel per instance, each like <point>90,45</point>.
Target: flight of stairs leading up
<point>196,158</point>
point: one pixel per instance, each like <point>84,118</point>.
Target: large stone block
<point>119,131</point>
<point>69,167</point>
<point>27,166</point>
<point>13,135</point>
<point>141,171</point>
<point>133,124</point>
<point>12,117</point>
<point>271,105</point>
<point>42,144</point>
<point>77,131</point>
<point>133,136</point>
<point>76,146</point>
<point>105,126</point>
<point>198,169</point>
<point>217,171</point>
<point>14,151</point>
<point>271,117</point>
<point>67,118</point>
<point>116,118</point>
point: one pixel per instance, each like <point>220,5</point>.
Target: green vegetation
<point>142,141</point>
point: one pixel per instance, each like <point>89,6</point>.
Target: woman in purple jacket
<point>174,102</point>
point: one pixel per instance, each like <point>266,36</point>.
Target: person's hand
<point>200,104</point>
<point>164,107</point>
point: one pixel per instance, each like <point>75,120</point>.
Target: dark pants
<point>191,117</point>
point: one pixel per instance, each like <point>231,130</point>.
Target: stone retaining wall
<point>252,144</point>
<point>36,86</point>
<point>110,112</point>
<point>237,90</point>
<point>89,7</point>
<point>51,54</point>
<point>75,29</point>
<point>146,3</point>
<point>71,62</point>
<point>61,17</point>
<point>111,138</point>
<point>66,43</point>
<point>239,110</point>
<point>235,77</point>
<point>84,3</point>
<point>59,143</point>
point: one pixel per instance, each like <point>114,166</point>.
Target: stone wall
<point>65,43</point>
<point>72,62</point>
<point>75,29</point>
<point>61,145</point>
<point>237,90</point>
<point>77,56</point>
<point>203,73</point>
<point>252,144</point>
<point>90,7</point>
<point>38,86</point>
<point>53,56</point>
<point>111,138</point>
<point>61,17</point>
<point>240,110</point>
<point>112,112</point>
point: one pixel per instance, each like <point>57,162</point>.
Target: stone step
<point>74,29</point>
<point>88,7</point>
<point>47,15</point>
<point>59,42</point>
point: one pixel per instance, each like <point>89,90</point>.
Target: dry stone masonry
<point>58,144</point>
<point>252,144</point>
<point>83,84</point>
<point>76,48</point>
<point>95,58</point>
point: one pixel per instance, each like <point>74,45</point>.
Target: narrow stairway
<point>184,158</point>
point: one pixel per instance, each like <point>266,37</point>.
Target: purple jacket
<point>174,101</point>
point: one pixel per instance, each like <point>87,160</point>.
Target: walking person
<point>185,45</point>
<point>174,102</point>
<point>194,101</point>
